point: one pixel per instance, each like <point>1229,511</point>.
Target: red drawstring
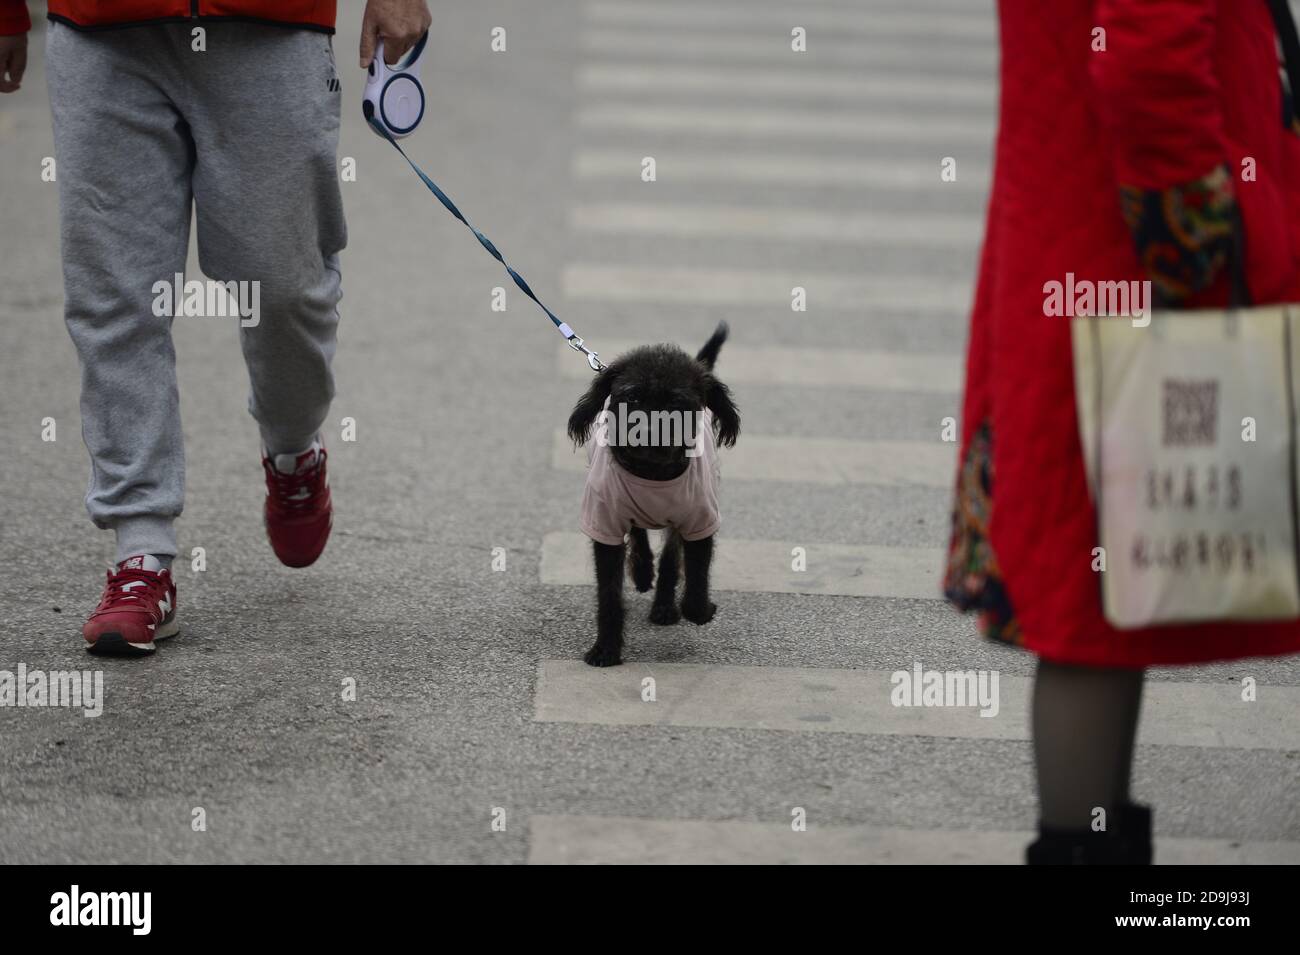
<point>287,489</point>
<point>115,596</point>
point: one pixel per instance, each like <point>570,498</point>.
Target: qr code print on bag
<point>1191,412</point>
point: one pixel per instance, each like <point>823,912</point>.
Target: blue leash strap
<point>570,336</point>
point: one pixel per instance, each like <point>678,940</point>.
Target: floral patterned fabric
<point>1183,234</point>
<point>972,581</point>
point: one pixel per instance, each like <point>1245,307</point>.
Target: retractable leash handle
<point>393,104</point>
<point>394,95</point>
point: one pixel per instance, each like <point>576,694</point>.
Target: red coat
<point>1182,87</point>
<point>98,14</point>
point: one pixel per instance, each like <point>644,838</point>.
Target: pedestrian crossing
<point>864,702</point>
<point>806,149</point>
<point>749,48</point>
<point>828,461</point>
<point>774,224</point>
<point>839,20</point>
<point>668,285</point>
<point>803,367</point>
<point>780,169</point>
<point>620,840</point>
<point>773,567</point>
<point>754,122</point>
<point>885,88</point>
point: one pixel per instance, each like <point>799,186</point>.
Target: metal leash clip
<point>593,359</point>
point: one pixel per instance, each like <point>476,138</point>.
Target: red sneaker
<point>299,513</point>
<point>138,607</point>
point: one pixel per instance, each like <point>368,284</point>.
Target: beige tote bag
<point>1188,428</point>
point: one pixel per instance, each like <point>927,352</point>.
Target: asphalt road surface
<point>476,734</point>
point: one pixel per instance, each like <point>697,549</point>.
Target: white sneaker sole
<point>113,644</point>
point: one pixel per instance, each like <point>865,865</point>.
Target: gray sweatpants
<point>247,130</point>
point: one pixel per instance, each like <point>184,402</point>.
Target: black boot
<point>1133,834</point>
<point>1067,847</point>
<point>1127,841</point>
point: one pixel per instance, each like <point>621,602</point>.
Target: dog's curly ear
<point>726,416</point>
<point>591,404</point>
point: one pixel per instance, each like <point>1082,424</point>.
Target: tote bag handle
<point>1284,24</point>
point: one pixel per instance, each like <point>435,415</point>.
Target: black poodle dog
<point>639,482</point>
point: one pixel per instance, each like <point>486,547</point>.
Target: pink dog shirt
<point>614,500</point>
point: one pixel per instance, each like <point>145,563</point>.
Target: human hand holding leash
<point>399,23</point>
<point>13,62</point>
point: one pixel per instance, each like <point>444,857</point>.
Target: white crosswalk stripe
<point>691,220</point>
<point>792,82</point>
<point>615,840</point>
<point>825,700</point>
<point>837,290</point>
<point>808,367</point>
<point>765,566</point>
<point>720,47</point>
<point>784,124</point>
<point>838,20</point>
<point>826,461</point>
<point>777,169</point>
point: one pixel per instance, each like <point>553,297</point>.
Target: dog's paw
<point>602,656</point>
<point>664,614</point>
<point>643,576</point>
<point>699,613</point>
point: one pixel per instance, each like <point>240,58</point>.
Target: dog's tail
<point>709,353</point>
